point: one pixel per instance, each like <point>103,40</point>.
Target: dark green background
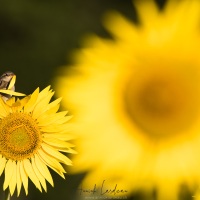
<point>36,37</point>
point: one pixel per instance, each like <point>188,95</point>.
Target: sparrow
<point>5,80</point>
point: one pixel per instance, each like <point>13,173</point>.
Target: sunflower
<point>32,136</point>
<point>136,101</point>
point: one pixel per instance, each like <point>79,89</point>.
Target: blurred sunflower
<point>136,101</point>
<point>32,137</point>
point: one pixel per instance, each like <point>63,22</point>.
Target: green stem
<point>7,195</point>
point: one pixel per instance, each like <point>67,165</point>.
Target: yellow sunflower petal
<point>43,169</point>
<point>4,109</point>
<point>24,176</point>
<point>31,174</point>
<point>41,106</point>
<point>53,109</point>
<point>148,11</point>
<point>51,165</point>
<point>68,150</point>
<point>45,92</point>
<point>32,101</point>
<point>62,158</point>
<point>18,105</point>
<point>2,164</point>
<point>38,174</point>
<point>11,92</point>
<point>53,128</point>
<point>53,118</point>
<point>9,170</point>
<point>10,101</point>
<point>24,100</point>
<point>54,141</point>
<point>13,181</point>
<point>112,22</point>
<point>12,82</point>
<point>19,180</point>
<point>60,136</point>
<point>63,120</point>
<point>53,106</point>
<point>51,161</point>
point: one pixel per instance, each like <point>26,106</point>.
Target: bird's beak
<point>12,82</point>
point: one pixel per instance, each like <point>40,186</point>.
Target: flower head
<point>32,136</point>
<point>136,100</point>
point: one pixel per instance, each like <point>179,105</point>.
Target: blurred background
<point>36,38</point>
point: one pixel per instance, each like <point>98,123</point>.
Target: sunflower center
<point>162,103</point>
<point>20,136</point>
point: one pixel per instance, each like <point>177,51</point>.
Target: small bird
<point>5,83</point>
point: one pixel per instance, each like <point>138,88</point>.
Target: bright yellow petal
<point>24,100</point>
<point>62,158</point>
<point>19,180</point>
<point>148,11</point>
<point>115,20</point>
<point>13,181</point>
<point>50,165</point>
<point>54,169</point>
<point>31,174</point>
<point>64,120</point>
<point>61,136</point>
<point>52,107</point>
<point>12,82</point>
<point>45,92</point>
<point>39,175</point>
<point>2,164</point>
<point>54,128</point>
<point>51,162</point>
<point>68,150</point>
<point>43,169</point>
<point>4,109</point>
<point>53,141</point>
<point>41,106</point>
<point>9,170</point>
<point>18,105</point>
<point>32,101</point>
<point>24,177</point>
<point>10,101</point>
<point>45,120</point>
<point>187,22</point>
<point>11,92</point>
